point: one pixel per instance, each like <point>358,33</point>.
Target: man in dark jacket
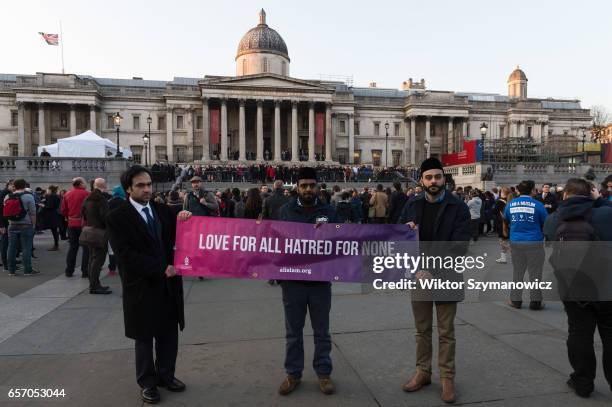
<point>548,198</point>
<point>444,230</point>
<point>142,234</point>
<point>398,200</point>
<point>273,203</point>
<point>584,314</point>
<point>199,201</point>
<point>95,208</point>
<point>312,296</point>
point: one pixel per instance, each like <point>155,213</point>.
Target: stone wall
<point>42,172</point>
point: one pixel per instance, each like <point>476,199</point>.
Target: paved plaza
<point>54,334</point>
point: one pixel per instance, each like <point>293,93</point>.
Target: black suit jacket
<point>152,303</point>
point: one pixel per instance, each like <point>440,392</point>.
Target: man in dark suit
<point>548,198</point>
<point>142,235</point>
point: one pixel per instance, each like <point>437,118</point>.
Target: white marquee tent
<point>87,144</point>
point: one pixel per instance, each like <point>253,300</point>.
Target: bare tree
<point>601,118</point>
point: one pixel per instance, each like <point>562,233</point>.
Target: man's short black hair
<point>128,175</point>
<point>525,187</point>
<point>19,183</point>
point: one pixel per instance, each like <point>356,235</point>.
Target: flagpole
<point>62,45</point>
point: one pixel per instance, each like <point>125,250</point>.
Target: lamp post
<point>584,159</point>
<point>387,145</point>
<point>483,133</point>
<point>117,120</point>
<point>426,145</point>
<point>149,121</point>
<point>145,139</point>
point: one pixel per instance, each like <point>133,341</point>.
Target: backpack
<point>572,258</point>
<point>14,208</point>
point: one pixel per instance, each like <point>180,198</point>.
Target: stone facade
<point>264,114</point>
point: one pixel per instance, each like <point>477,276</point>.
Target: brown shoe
<point>448,390</point>
<point>326,385</point>
<point>288,385</point>
<point>418,380</point>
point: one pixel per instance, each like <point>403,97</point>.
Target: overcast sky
<point>564,47</point>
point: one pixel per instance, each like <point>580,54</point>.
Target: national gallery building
<point>264,114</point>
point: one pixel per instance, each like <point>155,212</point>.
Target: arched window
<point>265,65</point>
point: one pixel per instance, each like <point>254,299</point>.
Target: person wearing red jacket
<point>71,210</point>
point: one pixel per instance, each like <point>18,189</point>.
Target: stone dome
<point>262,39</point>
<point>517,75</point>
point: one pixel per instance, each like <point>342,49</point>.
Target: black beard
<point>430,190</point>
<point>307,199</point>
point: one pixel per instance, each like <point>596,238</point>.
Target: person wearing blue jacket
<point>526,216</point>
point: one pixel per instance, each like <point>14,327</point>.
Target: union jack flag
<point>52,39</point>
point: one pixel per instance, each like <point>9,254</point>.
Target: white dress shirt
<point>139,208</point>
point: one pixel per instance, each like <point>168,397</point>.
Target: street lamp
<point>584,159</point>
<point>117,120</point>
<point>387,145</point>
<point>145,139</point>
<point>426,145</point>
<point>483,131</point>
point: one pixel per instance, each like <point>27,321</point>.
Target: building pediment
<point>270,81</point>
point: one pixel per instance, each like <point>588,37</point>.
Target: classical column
<point>277,131</point>
<point>295,154</point>
<point>223,154</point>
<point>512,124</point>
<point>406,141</point>
<point>351,131</point>
<point>241,131</point>
<point>463,135</point>
<point>413,140</point>
<point>73,129</point>
<point>260,140</point>
<point>42,136</point>
<point>205,130</point>
<point>190,135</point>
<point>22,149</point>
<point>328,132</point>
<point>521,128</point>
<point>428,135</point>
<point>92,119</point>
<point>169,135</point>
<point>450,138</point>
<point>311,132</point>
<point>545,131</point>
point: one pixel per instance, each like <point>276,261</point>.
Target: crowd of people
<point>135,227</point>
<point>257,173</point>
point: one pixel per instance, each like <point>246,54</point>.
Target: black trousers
<point>73,237</point>
<point>316,299</point>
<point>150,372</point>
<point>582,319</point>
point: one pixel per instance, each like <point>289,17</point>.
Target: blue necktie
<point>150,223</point>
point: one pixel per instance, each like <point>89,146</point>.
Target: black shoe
<point>150,395</point>
<point>84,275</point>
<point>536,305</point>
<point>580,392</point>
<point>175,385</point>
<point>100,291</point>
<point>68,274</point>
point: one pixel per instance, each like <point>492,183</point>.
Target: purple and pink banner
<point>274,250</point>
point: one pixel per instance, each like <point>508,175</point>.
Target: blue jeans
<point>298,298</point>
<point>23,234</point>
